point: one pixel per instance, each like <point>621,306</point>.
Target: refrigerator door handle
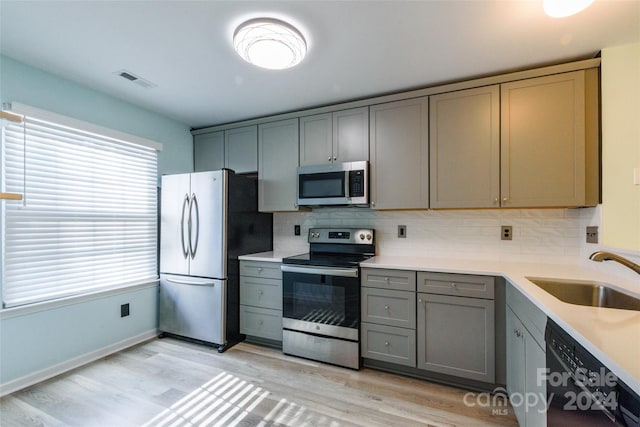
<point>185,249</point>
<point>193,247</point>
<point>187,282</point>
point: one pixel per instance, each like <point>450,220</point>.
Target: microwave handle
<point>347,176</point>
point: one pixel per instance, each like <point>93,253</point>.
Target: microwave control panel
<point>356,183</point>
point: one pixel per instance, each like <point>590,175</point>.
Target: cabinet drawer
<point>531,316</point>
<point>389,307</point>
<point>259,292</point>
<point>268,270</point>
<point>389,344</point>
<point>261,322</point>
<point>461,285</point>
<point>400,280</point>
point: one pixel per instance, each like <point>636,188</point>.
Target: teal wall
<point>36,341</point>
<point>22,83</point>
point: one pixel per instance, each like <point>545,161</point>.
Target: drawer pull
<point>260,269</point>
<point>420,300</point>
<point>386,307</point>
<point>260,292</point>
<point>453,285</point>
<point>386,343</point>
<point>386,279</point>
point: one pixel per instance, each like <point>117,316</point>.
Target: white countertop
<point>611,335</point>
<point>269,256</point>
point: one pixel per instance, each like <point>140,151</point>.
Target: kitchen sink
<point>592,294</point>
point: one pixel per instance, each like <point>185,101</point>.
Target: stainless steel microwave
<point>338,184</point>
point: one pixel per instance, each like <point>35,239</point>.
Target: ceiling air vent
<point>135,79</point>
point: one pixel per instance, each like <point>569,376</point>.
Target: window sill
<point>7,313</point>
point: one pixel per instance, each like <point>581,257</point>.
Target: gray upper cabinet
<point>277,163</point>
<point>464,143</point>
<point>241,149</point>
<point>208,151</point>
<point>549,141</point>
<point>399,150</point>
<point>527,143</point>
<point>340,136</point>
<point>236,149</point>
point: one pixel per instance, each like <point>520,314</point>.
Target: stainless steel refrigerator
<point>207,219</point>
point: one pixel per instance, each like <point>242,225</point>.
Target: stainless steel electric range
<point>321,296</point>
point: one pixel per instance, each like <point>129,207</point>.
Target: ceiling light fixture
<point>563,8</point>
<point>269,43</point>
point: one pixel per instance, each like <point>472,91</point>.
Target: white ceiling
<point>356,48</point>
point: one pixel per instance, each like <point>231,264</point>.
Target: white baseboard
<point>67,365</point>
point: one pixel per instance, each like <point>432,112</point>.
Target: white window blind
<point>88,221</point>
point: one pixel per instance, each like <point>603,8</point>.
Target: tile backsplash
<point>539,235</point>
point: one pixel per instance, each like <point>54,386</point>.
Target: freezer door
<point>174,256</point>
<point>208,218</point>
<point>193,307</point>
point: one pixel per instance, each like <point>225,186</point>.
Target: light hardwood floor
<point>167,382</point>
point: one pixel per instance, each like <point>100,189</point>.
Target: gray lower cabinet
<point>435,322</point>
<point>388,311</point>
<point>456,336</point>
<point>526,355</point>
<point>261,300</point>
<point>456,325</point>
<point>389,344</point>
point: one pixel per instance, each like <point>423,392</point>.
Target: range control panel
<point>341,235</point>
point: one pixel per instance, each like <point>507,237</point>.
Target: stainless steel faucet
<point>600,256</point>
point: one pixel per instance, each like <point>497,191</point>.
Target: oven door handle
<point>326,271</point>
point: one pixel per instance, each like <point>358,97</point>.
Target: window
<point>88,221</point>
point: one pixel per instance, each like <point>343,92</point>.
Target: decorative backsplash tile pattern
<point>539,235</point>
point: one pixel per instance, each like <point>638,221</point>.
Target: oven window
<point>321,299</point>
<point>322,185</point>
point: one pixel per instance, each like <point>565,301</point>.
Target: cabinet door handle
<point>386,307</point>
<point>259,268</point>
<point>329,159</point>
<point>495,201</point>
<point>505,199</point>
<point>420,300</point>
<point>453,285</point>
<point>335,158</point>
<point>386,343</point>
<point>260,292</point>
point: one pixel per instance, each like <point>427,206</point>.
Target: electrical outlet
<point>296,230</point>
<point>402,231</point>
<point>506,232</point>
<point>124,310</point>
<point>592,234</point>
